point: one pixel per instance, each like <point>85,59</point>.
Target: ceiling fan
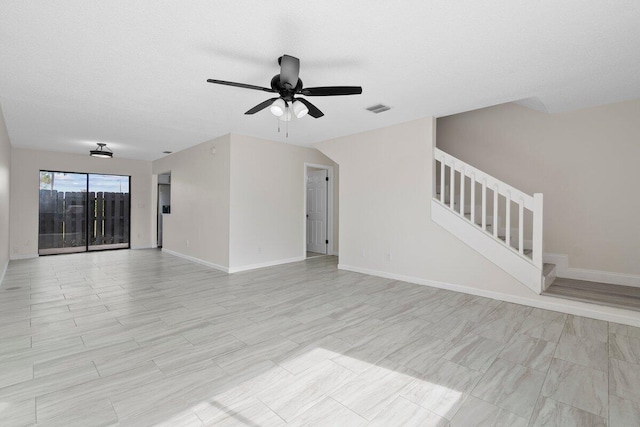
<point>287,85</point>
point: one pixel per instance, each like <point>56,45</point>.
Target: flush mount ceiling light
<point>101,151</point>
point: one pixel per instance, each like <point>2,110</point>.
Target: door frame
<point>331,245</point>
<point>156,195</point>
<point>87,238</point>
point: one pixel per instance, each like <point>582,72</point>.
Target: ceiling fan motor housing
<point>285,93</point>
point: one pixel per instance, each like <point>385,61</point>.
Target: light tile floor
<point>145,338</point>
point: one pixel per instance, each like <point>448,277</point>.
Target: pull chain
<point>286,114</point>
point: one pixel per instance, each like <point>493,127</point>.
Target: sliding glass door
<point>109,212</point>
<point>63,213</point>
<point>82,212</point>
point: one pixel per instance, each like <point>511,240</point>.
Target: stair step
<point>547,268</point>
<point>596,293</point>
<point>549,274</point>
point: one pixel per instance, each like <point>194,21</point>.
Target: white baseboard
<point>609,314</point>
<point>563,270</point>
<point>231,270</point>
<point>196,260</point>
<point>265,264</point>
<point>16,257</point>
<point>135,248</point>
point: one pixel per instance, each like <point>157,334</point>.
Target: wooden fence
<point>63,219</point>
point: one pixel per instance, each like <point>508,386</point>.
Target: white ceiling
<point>133,73</point>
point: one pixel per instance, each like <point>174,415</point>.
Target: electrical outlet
<point>362,254</point>
<point>259,250</point>
<point>389,256</point>
<point>188,244</point>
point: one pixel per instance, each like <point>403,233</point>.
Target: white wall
<point>586,164</point>
<point>5,175</point>
<point>385,188</point>
<point>198,226</point>
<point>386,179</point>
<point>25,182</point>
<point>267,201</point>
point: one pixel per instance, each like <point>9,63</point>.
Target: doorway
<point>80,212</point>
<point>164,202</point>
<point>318,210</point>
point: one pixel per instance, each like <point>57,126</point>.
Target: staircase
<point>497,220</point>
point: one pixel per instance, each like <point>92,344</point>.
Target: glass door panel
<point>81,212</point>
<point>63,213</point>
<point>109,212</point>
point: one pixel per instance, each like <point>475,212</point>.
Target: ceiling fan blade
<point>261,106</point>
<point>313,110</point>
<point>289,70</point>
<point>243,85</point>
<point>331,91</point>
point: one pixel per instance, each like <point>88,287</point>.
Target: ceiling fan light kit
<point>287,116</point>
<point>278,107</point>
<point>287,85</point>
<point>299,109</point>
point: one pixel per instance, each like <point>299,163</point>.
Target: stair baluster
<point>473,197</point>
<point>452,186</point>
<point>529,250</point>
<point>521,227</point>
<point>462,176</point>
<point>484,204</point>
<point>508,219</point>
<point>537,229</point>
<point>495,211</point>
<point>442,186</point>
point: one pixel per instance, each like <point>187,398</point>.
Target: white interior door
<point>317,185</point>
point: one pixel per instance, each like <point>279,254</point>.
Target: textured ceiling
<point>133,73</point>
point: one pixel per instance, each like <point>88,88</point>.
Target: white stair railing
<point>524,202</point>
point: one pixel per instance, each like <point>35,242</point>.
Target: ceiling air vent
<point>379,108</point>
